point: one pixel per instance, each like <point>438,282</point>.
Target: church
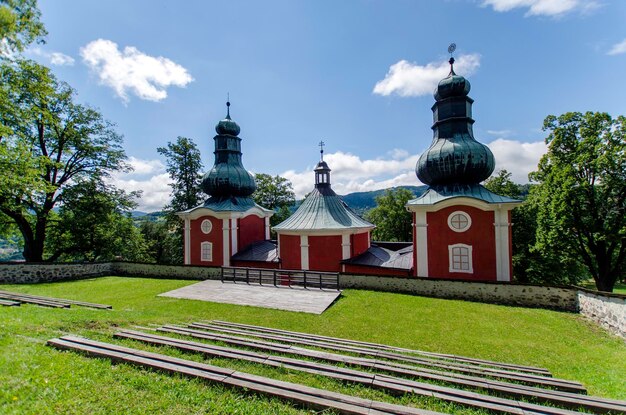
<point>461,230</point>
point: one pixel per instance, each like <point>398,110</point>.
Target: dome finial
<point>322,144</point>
<point>451,50</point>
<point>228,105</point>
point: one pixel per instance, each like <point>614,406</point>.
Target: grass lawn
<point>619,288</point>
<point>37,379</point>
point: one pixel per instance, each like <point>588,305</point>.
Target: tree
<point>392,220</point>
<point>581,193</point>
<point>19,26</point>
<point>531,265</point>
<point>94,224</point>
<point>184,167</point>
<point>58,144</point>
<point>275,193</point>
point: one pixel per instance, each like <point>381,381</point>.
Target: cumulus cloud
<point>500,133</point>
<point>408,79</point>
<point>130,71</point>
<point>618,48</point>
<point>552,8</point>
<point>350,173</point>
<point>150,178</point>
<point>516,157</point>
<point>54,58</point>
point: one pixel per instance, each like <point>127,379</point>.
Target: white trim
<point>233,235</point>
<point>187,243</point>
<point>451,268</point>
<point>461,213</point>
<point>267,228</point>
<point>421,243</point>
<point>210,250</point>
<point>210,226</point>
<point>323,232</point>
<point>345,246</point>
<point>502,227</point>
<point>304,252</point>
<point>462,201</point>
<point>225,243</point>
<point>200,211</point>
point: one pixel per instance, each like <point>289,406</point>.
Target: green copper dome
<point>454,157</point>
<point>228,177</point>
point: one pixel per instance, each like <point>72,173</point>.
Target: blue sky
<point>357,74</point>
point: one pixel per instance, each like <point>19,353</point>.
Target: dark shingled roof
<point>260,251</point>
<point>377,256</point>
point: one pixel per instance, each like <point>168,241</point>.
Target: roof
<point>377,256</point>
<point>436,194</point>
<point>323,210</point>
<point>260,251</point>
<point>226,203</point>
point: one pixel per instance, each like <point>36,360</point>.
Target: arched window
<point>460,258</point>
<point>206,251</point>
<point>206,226</point>
<point>459,221</point>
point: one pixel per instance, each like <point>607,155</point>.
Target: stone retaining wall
<point>557,298</point>
<point>607,310</point>
<point>186,272</point>
<point>28,273</point>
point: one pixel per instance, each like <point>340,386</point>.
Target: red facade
<point>480,236</point>
<point>359,243</point>
<point>325,253</point>
<point>215,237</point>
<point>290,251</point>
<point>251,229</point>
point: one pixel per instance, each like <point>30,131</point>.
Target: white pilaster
<point>503,254</point>
<point>225,242</point>
<point>345,246</point>
<point>187,241</point>
<point>421,243</point>
<point>233,235</point>
<point>304,252</point>
<point>267,228</point>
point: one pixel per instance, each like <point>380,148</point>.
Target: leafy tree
<point>57,144</point>
<point>581,195</point>
<point>392,220</point>
<point>94,224</point>
<point>163,243</point>
<point>276,193</point>
<point>184,167</point>
<point>19,25</point>
<point>531,265</point>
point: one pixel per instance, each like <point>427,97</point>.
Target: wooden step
<point>302,395</point>
<point>535,380</point>
<point>61,300</point>
<point>44,303</point>
<point>387,383</point>
<point>519,368</point>
<point>9,303</point>
<point>569,400</point>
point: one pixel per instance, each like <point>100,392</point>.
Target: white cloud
<point>350,173</point>
<point>553,8</point>
<point>618,48</point>
<point>149,177</point>
<point>54,58</point>
<point>132,71</point>
<point>408,79</point>
<point>500,133</point>
<point>516,157</point>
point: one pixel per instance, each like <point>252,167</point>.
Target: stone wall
<point>186,272</point>
<point>28,273</point>
<point>557,298</point>
<point>607,310</point>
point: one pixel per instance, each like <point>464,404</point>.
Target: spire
<point>322,171</point>
<point>454,157</point>
<point>451,50</point>
<point>228,107</point>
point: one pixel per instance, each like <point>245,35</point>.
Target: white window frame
<point>208,225</point>
<point>206,247</point>
<point>452,254</point>
<point>465,215</point>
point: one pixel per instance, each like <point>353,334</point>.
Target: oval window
<point>206,226</point>
<point>459,221</point>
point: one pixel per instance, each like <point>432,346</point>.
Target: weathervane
<point>321,144</point>
<point>228,105</point>
<point>451,50</point>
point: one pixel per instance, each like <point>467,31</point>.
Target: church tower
<point>229,220</point>
<point>460,229</point>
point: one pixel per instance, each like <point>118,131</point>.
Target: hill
<point>363,201</point>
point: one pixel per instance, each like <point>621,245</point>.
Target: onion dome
<point>228,177</point>
<point>227,126</point>
<point>454,157</point>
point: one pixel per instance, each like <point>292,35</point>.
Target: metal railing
<point>281,277</point>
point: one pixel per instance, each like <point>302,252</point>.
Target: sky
<point>358,75</point>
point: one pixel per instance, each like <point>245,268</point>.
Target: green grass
<point>37,379</point>
<point>619,288</point>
